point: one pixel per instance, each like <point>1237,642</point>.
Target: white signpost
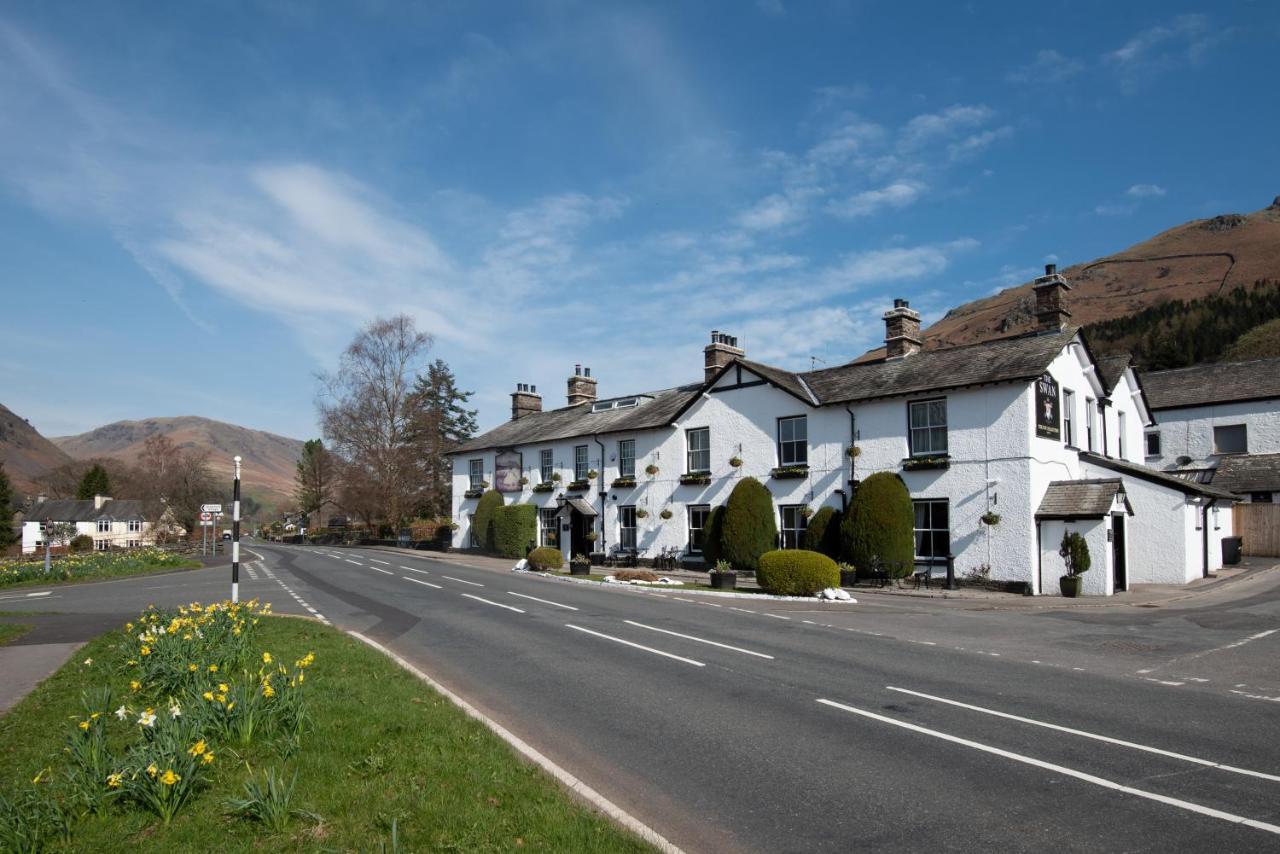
<point>211,508</point>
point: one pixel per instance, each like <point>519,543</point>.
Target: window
<point>1230,439</point>
<point>698,514</point>
<point>135,526</point>
<point>627,526</point>
<point>580,462</point>
<point>1069,417</point>
<point>1120,434</point>
<point>546,465</point>
<point>1153,444</point>
<point>472,533</point>
<point>104,526</point>
<point>1255,497</point>
<point>477,474</point>
<point>100,545</point>
<point>133,544</point>
<point>793,525</point>
<point>928,427</point>
<point>548,527</point>
<point>698,443</point>
<point>793,441</point>
<point>933,530</point>
<point>627,458</point>
<point>1089,423</point>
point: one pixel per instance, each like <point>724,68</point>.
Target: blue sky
<point>201,202</point>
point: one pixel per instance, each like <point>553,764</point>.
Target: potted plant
<point>990,518</point>
<point>579,565</point>
<point>736,462</point>
<point>651,470</point>
<point>789,472</point>
<point>624,482</point>
<point>848,574</point>
<point>555,476</point>
<point>696,478</point>
<point>722,576</point>
<point>641,513</point>
<point>666,513</point>
<point>591,475</point>
<point>1075,552</point>
<point>592,536</point>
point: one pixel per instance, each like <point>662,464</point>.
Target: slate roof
<point>1203,385</point>
<point>1157,477</point>
<point>1081,499</point>
<point>1249,473</point>
<point>62,510</point>
<point>1111,368</point>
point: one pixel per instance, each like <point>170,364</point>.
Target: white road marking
<point>1168,682</point>
<point>1062,769</point>
<point>425,583</point>
<point>1258,636</point>
<point>383,571</point>
<point>461,581</point>
<point>383,562</point>
<point>636,645</point>
<point>356,562</point>
<point>697,639</point>
<point>776,616</point>
<point>27,595</point>
<point>1095,736</point>
<point>411,569</point>
<point>743,610</point>
<point>490,602</point>
<point>543,601</point>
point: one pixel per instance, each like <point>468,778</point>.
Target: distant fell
<point>25,453</point>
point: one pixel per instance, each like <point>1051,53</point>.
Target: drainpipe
<point>1204,531</point>
<point>604,494</point>
<point>853,440</point>
<point>1035,584</point>
<point>1102,417</point>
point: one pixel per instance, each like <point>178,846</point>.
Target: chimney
<point>1051,308</point>
<point>901,330</point>
<point>525,400</point>
<point>99,500</point>
<point>582,386</point>
<point>722,350</point>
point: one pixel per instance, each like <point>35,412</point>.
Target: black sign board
<point>1048,408</point>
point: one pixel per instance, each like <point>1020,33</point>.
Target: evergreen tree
<point>94,482</point>
<point>748,529</point>
<point>441,422</point>
<point>313,482</point>
<point>880,526</point>
<point>6,509</point>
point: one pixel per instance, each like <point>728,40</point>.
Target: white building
<point>1001,427</point>
<point>112,524</point>
<point>1218,424</point>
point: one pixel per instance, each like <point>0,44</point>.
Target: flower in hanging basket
<point>591,475</point>
<point>806,512</point>
<point>641,513</point>
<point>990,518</point>
<point>592,536</point>
<point>524,481</point>
<point>651,469</point>
<point>666,513</point>
<point>484,484</point>
<point>736,462</point>
<point>555,476</point>
<point>853,452</point>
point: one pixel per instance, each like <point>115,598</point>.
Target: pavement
<point>897,723</point>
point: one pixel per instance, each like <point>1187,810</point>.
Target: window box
<point>473,493</point>
<point>579,486</point>
<point>623,482</point>
<point>697,478</point>
<point>789,472</point>
<point>925,463</point>
<point>544,487</point>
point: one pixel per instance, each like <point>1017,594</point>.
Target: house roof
<point>1203,385</point>
<point>1111,369</point>
<point>1150,475</point>
<point>61,510</point>
<point>1248,473</point>
<point>1081,499</point>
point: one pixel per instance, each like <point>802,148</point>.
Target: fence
<point>1259,526</point>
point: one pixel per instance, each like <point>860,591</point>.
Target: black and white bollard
<point>235,536</point>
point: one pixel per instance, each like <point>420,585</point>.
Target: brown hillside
<point>1188,261</point>
<point>25,453</point>
<point>269,461</point>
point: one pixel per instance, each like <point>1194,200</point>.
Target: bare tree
<point>366,411</point>
<point>174,479</point>
<point>358,495</point>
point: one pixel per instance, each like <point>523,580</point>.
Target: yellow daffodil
<point>146,650</point>
<point>113,781</point>
<point>135,684</point>
<point>152,769</point>
<point>147,718</point>
<point>266,658</point>
<point>222,686</point>
<point>231,705</point>
<point>169,777</point>
<point>191,668</point>
<point>213,668</point>
<point>84,725</point>
<point>207,758</point>
<point>198,748</point>
<point>208,695</point>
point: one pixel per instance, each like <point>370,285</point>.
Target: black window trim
<point>931,560</point>
<point>688,519</point>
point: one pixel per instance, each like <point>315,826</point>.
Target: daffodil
<point>266,658</point>
<point>208,695</point>
<point>207,758</point>
<point>191,668</point>
<point>122,713</point>
<point>88,662</point>
<point>146,650</point>
<point>213,668</point>
<point>134,684</point>
<point>175,711</point>
<point>84,725</point>
<point>147,718</point>
<point>198,748</point>
<point>113,781</point>
<point>222,686</point>
<point>152,769</point>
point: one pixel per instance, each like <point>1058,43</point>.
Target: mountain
<point>268,461</point>
<point>1192,260</point>
<point>25,453</point>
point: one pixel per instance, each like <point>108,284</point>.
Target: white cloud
<point>1185,39</point>
<point>774,212</point>
<point>1114,209</point>
<point>928,127</point>
<point>1145,191</point>
<point>1049,66</point>
<point>897,195</point>
<point>978,142</point>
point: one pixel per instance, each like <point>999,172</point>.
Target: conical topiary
<point>880,525</point>
<point>749,529</point>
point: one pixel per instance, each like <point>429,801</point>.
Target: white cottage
<point>110,522</point>
<point>1028,428</point>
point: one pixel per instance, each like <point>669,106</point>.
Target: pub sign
<point>1048,408</point>
<point>507,471</point>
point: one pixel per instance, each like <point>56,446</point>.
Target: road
<point>757,725</point>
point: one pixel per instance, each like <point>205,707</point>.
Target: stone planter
<point>579,569</point>
<point>724,580</point>
<point>1071,585</point>
<point>596,558</point>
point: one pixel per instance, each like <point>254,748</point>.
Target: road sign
<point>211,508</point>
<point>205,517</point>
<point>205,524</point>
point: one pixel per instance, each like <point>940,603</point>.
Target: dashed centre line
<point>698,639</point>
<point>491,602</point>
<point>383,571</point>
<point>633,644</point>
<point>383,562</point>
<point>543,601</point>
<point>463,581</point>
<point>420,581</point>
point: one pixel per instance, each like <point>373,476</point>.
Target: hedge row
<point>796,572</point>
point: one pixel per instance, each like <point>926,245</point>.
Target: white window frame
<point>793,451</point>
<point>581,463</point>
<point>626,458</point>
<point>1068,417</point>
<point>1090,424</point>
<point>916,434</point>
<point>627,530</point>
<point>791,530</point>
<point>549,534</point>
<point>101,545</point>
<point>702,454</point>
<point>104,526</point>
<point>476,473</point>
<point>546,464</point>
<point>703,512</point>
<point>133,544</point>
<point>135,526</point>
<point>931,528</point>
<point>1244,436</point>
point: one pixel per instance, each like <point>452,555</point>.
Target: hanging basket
<point>651,470</point>
<point>665,514</point>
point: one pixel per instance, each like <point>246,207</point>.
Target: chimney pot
<point>722,350</point>
<point>525,400</point>
<point>582,386</point>
<point>901,330</point>
<point>1051,309</point>
<point>1050,269</point>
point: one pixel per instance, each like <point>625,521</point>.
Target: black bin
<point>1231,550</point>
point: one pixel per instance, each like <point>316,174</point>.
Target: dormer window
<point>104,526</point>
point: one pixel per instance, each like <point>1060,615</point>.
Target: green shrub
<point>748,530</point>
<point>796,572</point>
<point>1075,551</point>
<point>713,536</point>
<point>483,520</point>
<point>546,558</point>
<point>880,524</point>
<point>514,528</point>
<point>81,543</point>
<point>822,534</point>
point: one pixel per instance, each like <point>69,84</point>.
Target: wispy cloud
<point>1185,39</point>
<point>927,127</point>
<point>897,195</point>
<point>1145,191</point>
<point>1049,66</point>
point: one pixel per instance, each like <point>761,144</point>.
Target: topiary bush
<point>485,508</point>
<point>712,535</point>
<point>514,527</point>
<point>796,572</point>
<point>880,524</point>
<point>822,534</point>
<point>748,530</point>
<point>546,558</point>
<point>81,543</point>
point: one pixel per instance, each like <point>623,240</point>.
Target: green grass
<point>91,566</point>
<point>12,631</point>
<point>383,748</point>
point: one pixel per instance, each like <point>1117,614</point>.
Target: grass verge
<point>687,585</point>
<point>383,749</point>
<point>12,631</point>
<point>92,566</point>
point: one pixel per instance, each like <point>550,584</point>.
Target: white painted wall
<point>118,537</point>
<point>1189,431</point>
<point>1097,581</point>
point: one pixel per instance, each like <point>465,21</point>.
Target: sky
<point>201,203</point>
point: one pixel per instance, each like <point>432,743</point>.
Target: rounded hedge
<point>749,529</point>
<point>514,529</point>
<point>822,534</point>
<point>81,543</point>
<point>483,519</point>
<point>796,572</point>
<point>546,557</point>
<point>880,524</point>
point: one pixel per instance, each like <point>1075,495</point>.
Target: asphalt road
<point>749,725</point>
